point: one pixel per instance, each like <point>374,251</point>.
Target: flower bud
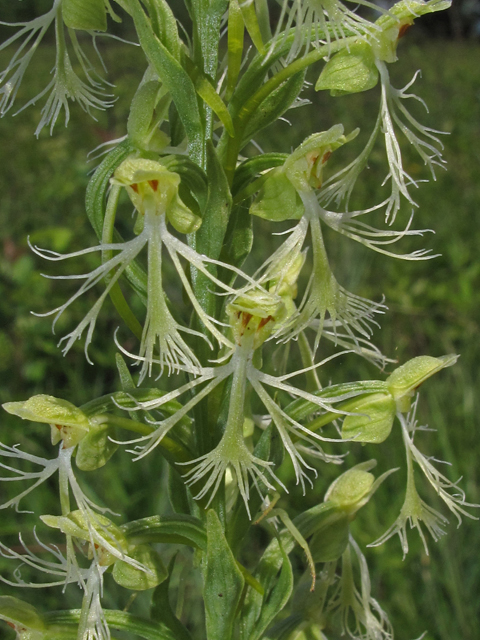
<point>372,418</point>
<point>151,187</point>
<point>403,382</point>
<point>68,423</point>
<point>24,618</point>
<point>351,70</point>
<point>352,489</point>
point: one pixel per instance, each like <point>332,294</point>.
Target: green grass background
<point>434,308</point>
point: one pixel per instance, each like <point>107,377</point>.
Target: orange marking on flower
<point>403,30</point>
<point>135,187</point>
<point>246,317</point>
<point>153,184</point>
<point>265,321</point>
<point>326,156</point>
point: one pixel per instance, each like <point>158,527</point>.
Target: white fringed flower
<point>416,511</point>
<point>65,85</point>
<point>319,22</point>
<point>154,192</point>
<point>361,616</point>
<point>251,326</point>
<point>92,623</point>
<point>393,115</point>
<point>325,302</point>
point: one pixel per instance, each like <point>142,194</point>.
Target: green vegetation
<point>42,184</point>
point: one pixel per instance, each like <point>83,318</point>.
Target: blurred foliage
<point>434,308</point>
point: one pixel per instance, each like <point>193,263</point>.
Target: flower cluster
<point>225,409</point>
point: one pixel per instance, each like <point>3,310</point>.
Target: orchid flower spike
<point>416,511</point>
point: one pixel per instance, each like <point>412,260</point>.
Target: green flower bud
<point>254,316</point>
<point>349,71</point>
<point>352,489</point>
<point>24,618</point>
<point>374,421</point>
<point>87,15</point>
<point>68,423</point>
<point>152,187</point>
<point>76,525</point>
<point>132,578</point>
<point>403,382</point>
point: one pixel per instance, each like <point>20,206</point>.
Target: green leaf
<point>164,25</point>
<point>22,614</point>
<point>177,492</point>
<point>207,19</point>
<point>274,105</point>
<point>247,7</point>
<point>62,620</point>
<point>142,109</point>
<point>249,169</point>
<point>177,529</point>
<point>100,183</point>
<point>132,578</point>
<point>224,582</point>
<point>129,400</point>
<point>161,611</point>
<point>259,611</point>
<point>238,241</point>
<point>88,15</point>
<point>175,78</point>
<point>208,94</point>
<point>126,380</point>
<point>236,30</point>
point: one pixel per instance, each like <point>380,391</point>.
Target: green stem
<point>252,104</point>
<point>313,383</point>
<point>234,426</point>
